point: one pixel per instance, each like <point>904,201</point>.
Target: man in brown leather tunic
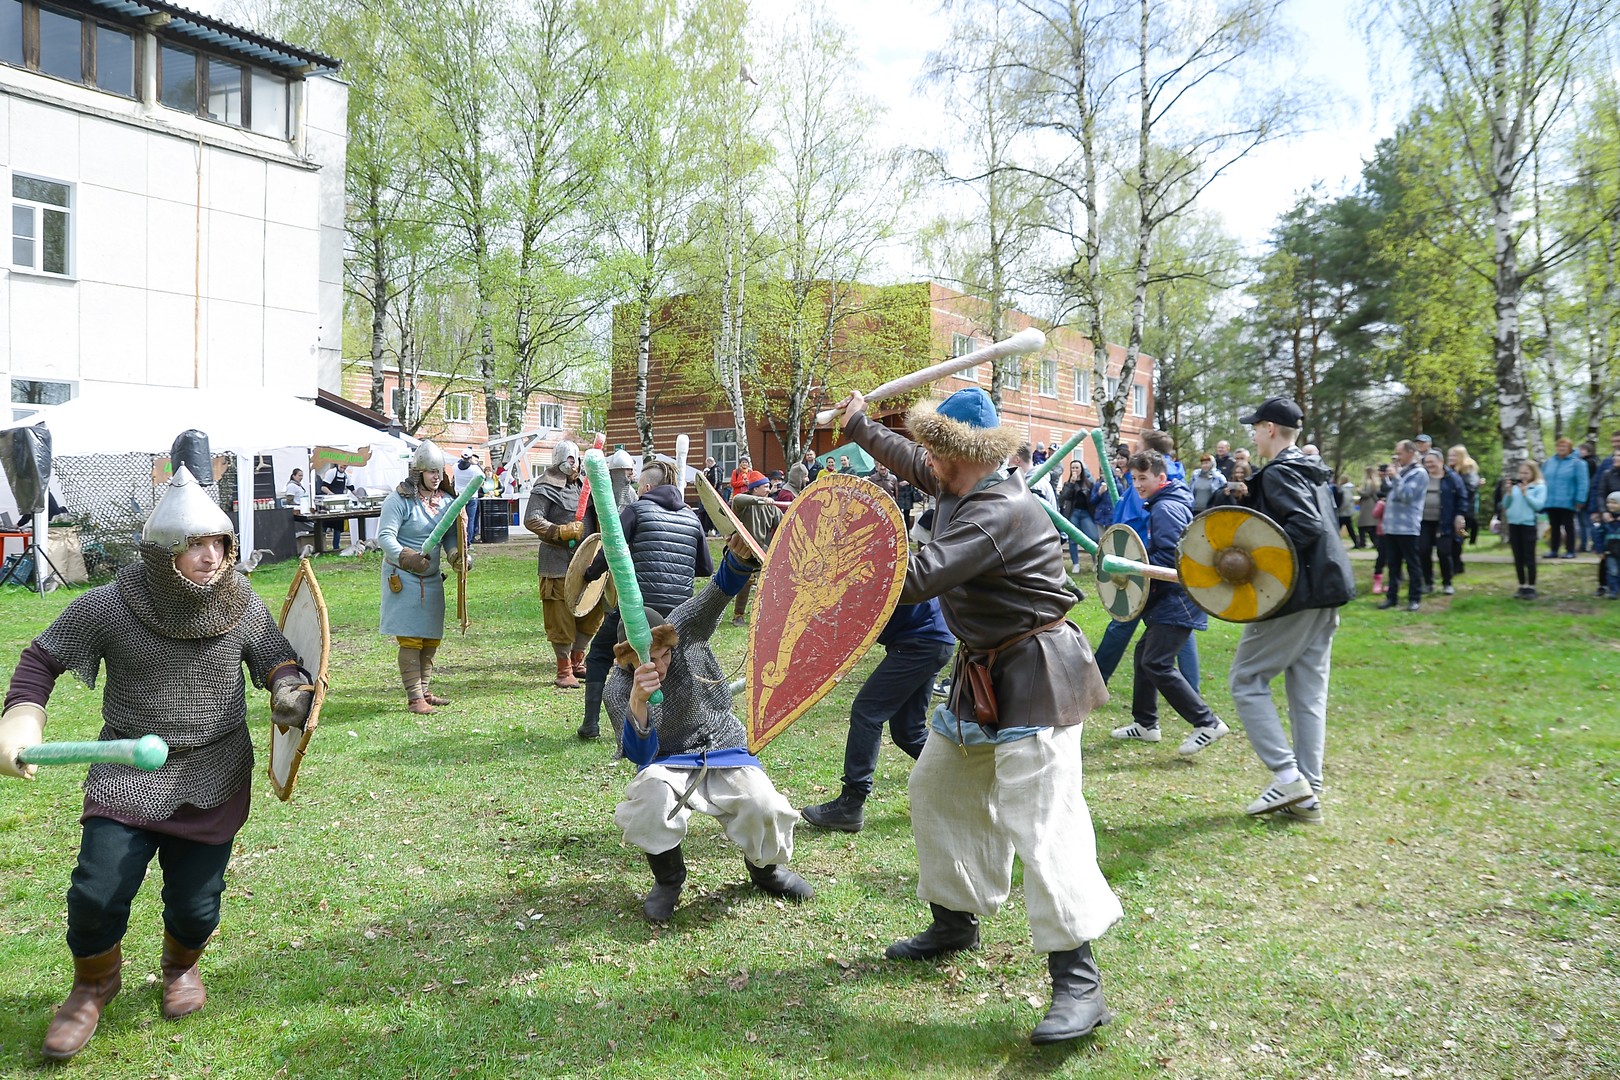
<point>999,778</point>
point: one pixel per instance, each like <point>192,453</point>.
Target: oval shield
<point>834,575</point>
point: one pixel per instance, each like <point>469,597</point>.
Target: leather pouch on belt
<point>394,584</point>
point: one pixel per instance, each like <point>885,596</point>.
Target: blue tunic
<point>417,610</point>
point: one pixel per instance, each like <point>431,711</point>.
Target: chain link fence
<point>110,496</point>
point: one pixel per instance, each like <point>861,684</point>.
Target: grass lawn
<point>448,895</point>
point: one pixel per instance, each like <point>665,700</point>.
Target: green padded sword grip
<point>147,752</point>
<point>632,608</point>
<point>448,521</point>
<point>1103,465</point>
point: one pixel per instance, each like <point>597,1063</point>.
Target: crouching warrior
<point>554,515</point>
<point>691,753</point>
<point>173,631</point>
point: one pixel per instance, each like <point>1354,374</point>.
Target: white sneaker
<point>1276,796</point>
<point>1138,733</point>
<point>1302,814</point>
<point>1202,737</point>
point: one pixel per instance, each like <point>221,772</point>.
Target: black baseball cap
<point>1276,410</point>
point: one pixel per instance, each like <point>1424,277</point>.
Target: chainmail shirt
<point>187,690</point>
<point>695,714</point>
<point>554,498</point>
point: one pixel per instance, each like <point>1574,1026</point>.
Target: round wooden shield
<point>582,596</point>
<point>1237,564</point>
<point>1123,595</point>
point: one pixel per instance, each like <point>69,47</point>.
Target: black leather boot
<point>669,873</point>
<point>842,813</point>
<point>778,880</point>
<point>1077,1001</point>
<point>591,726</point>
<point>951,931</point>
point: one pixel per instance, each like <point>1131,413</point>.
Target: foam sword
<point>148,753</point>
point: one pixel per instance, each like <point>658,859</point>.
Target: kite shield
<point>834,576</point>
<point>725,521</point>
<point>305,624</point>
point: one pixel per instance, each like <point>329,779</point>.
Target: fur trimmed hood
<point>949,438</point>
<point>664,636</point>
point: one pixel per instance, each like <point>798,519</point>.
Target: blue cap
<point>1424,438</point>
<point>972,407</point>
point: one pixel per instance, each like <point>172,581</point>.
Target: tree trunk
<point>644,426</point>
<point>379,304</point>
<point>1512,398</point>
<point>1145,211</point>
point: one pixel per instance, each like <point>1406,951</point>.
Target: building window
<point>35,392</point>
<point>115,61</point>
<point>40,233</point>
<point>592,419</point>
<point>1012,373</point>
<point>499,409</point>
<point>11,32</point>
<point>1138,399</point>
<point>405,404</point>
<point>721,444</point>
<point>268,104</point>
<point>1113,386</point>
<point>225,92</point>
<point>61,45</point>
<point>1049,377</point>
<point>961,345</point>
<point>177,78</point>
<point>1082,385</point>
<point>551,416</point>
<point>458,408</point>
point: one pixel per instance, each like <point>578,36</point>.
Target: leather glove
<point>452,558</point>
<point>567,534</point>
<point>414,561</point>
<point>21,726</point>
<point>290,703</point>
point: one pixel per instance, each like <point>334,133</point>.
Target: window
<point>961,344</point>
<point>115,61</point>
<point>592,419</point>
<point>1113,386</point>
<point>61,45</point>
<point>721,444</point>
<point>500,417</point>
<point>1138,400</point>
<point>405,405</point>
<point>225,92</point>
<point>33,392</point>
<point>1012,373</point>
<point>11,32</point>
<point>268,104</point>
<point>39,224</point>
<point>1082,385</point>
<point>1049,377</point>
<point>458,408</point>
<point>551,415</point>
<point>177,78</point>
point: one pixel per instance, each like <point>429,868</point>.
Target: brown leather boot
<point>96,980</point>
<point>577,660</point>
<point>428,653</point>
<point>565,673</point>
<point>183,992</point>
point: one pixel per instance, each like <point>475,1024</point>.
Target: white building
<point>177,203</point>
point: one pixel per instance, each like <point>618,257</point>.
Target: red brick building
<point>1048,399</point>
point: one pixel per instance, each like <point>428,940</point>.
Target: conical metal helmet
<point>621,459</point>
<point>427,456</point>
<point>185,511</point>
<point>563,451</point>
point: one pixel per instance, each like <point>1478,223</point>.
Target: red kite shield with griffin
<point>833,578</point>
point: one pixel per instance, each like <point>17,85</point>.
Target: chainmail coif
<point>166,678</point>
<point>696,711</point>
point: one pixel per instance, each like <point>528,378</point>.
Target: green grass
<point>448,895</point>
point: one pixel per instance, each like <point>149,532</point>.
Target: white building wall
<point>201,254</point>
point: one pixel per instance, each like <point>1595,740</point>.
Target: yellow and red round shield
<point>1237,564</point>
<point>836,567</point>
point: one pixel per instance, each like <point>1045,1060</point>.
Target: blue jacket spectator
<point>1521,509</point>
<point>1568,481</point>
<point>1403,507</point>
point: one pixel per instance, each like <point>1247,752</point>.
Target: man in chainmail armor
<point>668,548</point>
<point>691,753</point>
<point>173,632</point>
<point>553,516</point>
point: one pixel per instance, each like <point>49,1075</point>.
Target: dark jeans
<point>1348,524</point>
<point>1156,674</point>
<point>896,693</point>
<point>1367,537</point>
<point>1082,520</point>
<point>112,863</point>
<point>1522,540</point>
<point>599,658</point>
<point>1382,546</point>
<point>1435,541</point>
<point>1561,521</point>
<point>1404,560</point>
<point>1583,530</point>
<point>1111,650</point>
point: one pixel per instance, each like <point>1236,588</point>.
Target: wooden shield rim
<point>1137,552</point>
<point>462,555</point>
<point>1201,523</point>
<point>306,573</point>
<point>891,512</point>
<point>725,522</point>
<point>580,595</point>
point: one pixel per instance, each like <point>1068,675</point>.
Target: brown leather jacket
<point>996,566</point>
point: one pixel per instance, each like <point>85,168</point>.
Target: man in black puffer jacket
<point>1296,642</point>
<point>669,549</point>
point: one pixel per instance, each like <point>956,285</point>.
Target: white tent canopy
<point>134,419</point>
